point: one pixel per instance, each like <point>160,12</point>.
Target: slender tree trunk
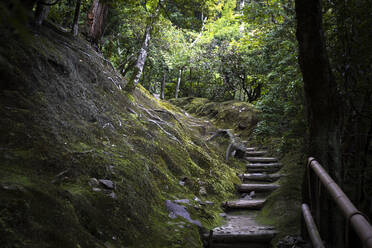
<point>141,59</point>
<point>191,84</point>
<point>75,24</point>
<point>323,110</point>
<point>163,84</point>
<point>242,3</point>
<point>96,18</point>
<point>178,82</point>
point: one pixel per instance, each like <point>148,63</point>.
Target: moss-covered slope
<point>240,116</point>
<point>65,122</point>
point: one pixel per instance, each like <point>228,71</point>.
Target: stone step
<point>241,230</point>
<point>255,153</point>
<point>263,167</point>
<point>245,204</point>
<point>261,159</point>
<point>253,236</point>
<point>250,149</point>
<point>262,177</point>
<point>239,245</point>
<point>248,187</point>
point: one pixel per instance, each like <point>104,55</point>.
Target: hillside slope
<point>85,164</point>
<point>241,117</point>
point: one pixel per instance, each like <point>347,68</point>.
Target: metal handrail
<point>358,221</point>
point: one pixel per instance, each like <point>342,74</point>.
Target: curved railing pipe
<point>357,220</point>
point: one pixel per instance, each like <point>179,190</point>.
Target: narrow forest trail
<point>241,228</point>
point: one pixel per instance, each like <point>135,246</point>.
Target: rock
<point>209,202</point>
<point>112,195</point>
<point>96,189</point>
<point>107,183</point>
<point>292,242</point>
<point>202,191</point>
<point>249,196</point>
<point>179,210</point>
<point>93,182</point>
<point>223,215</point>
<point>183,181</point>
<point>184,201</point>
<point>198,200</point>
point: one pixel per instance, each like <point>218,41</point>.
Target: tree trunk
<point>141,59</point>
<point>323,111</point>
<point>178,83</point>
<point>41,13</point>
<point>96,18</point>
<point>191,84</point>
<point>75,24</point>
<point>163,84</point>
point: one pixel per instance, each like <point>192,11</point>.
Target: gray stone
<point>93,182</point>
<point>179,210</point>
<point>202,190</point>
<point>107,183</point>
<point>112,195</point>
<point>96,189</point>
<point>184,201</point>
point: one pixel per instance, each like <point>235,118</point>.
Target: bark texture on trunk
<point>96,18</point>
<point>323,113</point>
<point>191,84</point>
<point>163,84</point>
<point>75,24</point>
<point>141,59</point>
<point>178,82</point>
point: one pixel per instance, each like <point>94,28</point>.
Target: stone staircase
<point>241,228</point>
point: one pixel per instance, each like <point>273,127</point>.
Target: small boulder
<point>107,183</point>
<point>183,181</point>
<point>112,195</point>
<point>202,191</point>
<point>96,189</point>
<point>93,182</point>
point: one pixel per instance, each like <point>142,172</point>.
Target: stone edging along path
<point>241,229</point>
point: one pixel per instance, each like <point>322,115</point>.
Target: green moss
<point>283,207</point>
<point>64,122</point>
<point>239,116</point>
